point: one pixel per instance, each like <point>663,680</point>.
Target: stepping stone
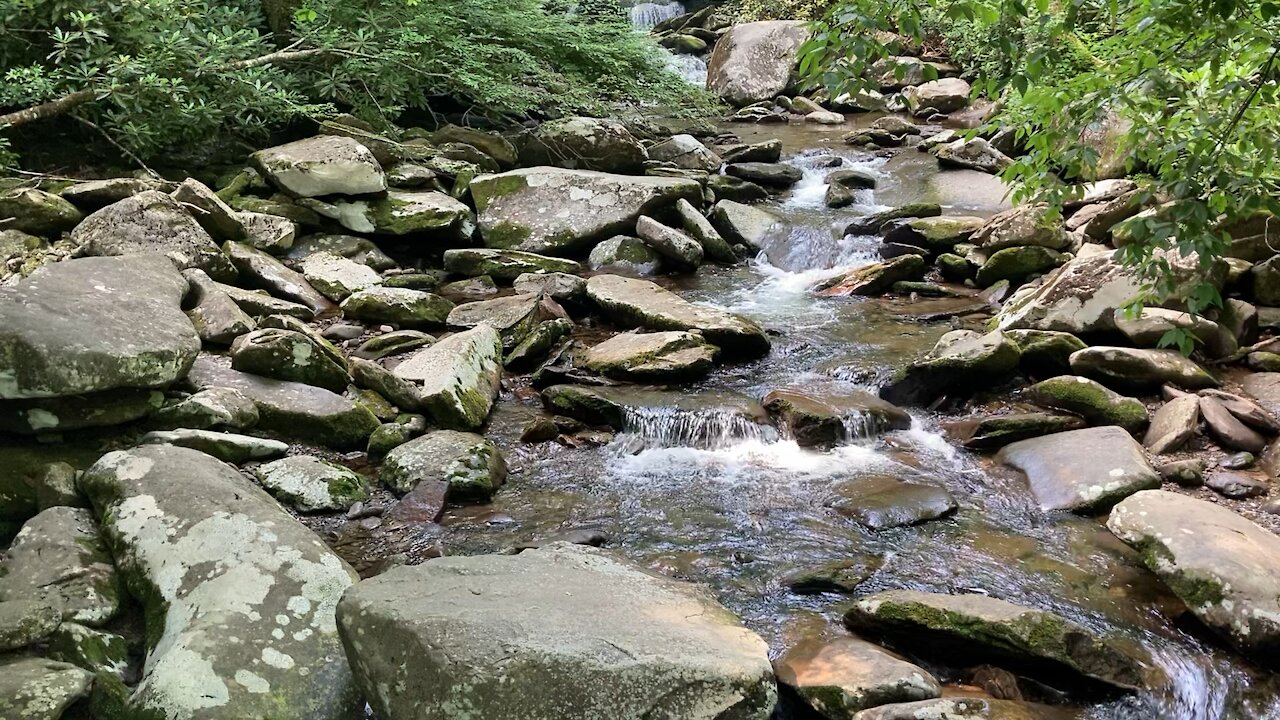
<point>1082,471</point>
<point>837,678</point>
<point>227,447</point>
<point>674,356</point>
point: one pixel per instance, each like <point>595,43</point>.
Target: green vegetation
<point>152,75</point>
<point>1182,94</point>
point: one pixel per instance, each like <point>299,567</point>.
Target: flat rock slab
<point>883,501</point>
<point>503,264</point>
<point>1040,642</point>
<point>460,376</point>
<point>652,357</point>
<point>58,558</point>
<point>1082,470</point>
<point>293,409</point>
<point>535,634</point>
<point>633,302</point>
<point>213,557</point>
<point>1224,567</point>
<point>842,676</point>
<point>558,211</point>
<point>1173,425</point>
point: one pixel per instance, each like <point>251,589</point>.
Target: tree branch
<point>53,108</point>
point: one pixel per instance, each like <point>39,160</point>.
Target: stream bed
<point>696,493</point>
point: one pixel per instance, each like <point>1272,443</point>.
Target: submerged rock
<point>840,677</point>
<point>1082,471</point>
<point>631,302</point>
<point>558,212</point>
<point>211,556</point>
<point>1037,641</point>
<point>754,61</point>
<point>654,645</point>
<point>1222,565</point>
<point>472,466</point>
<point>461,376</point>
<point>881,502</point>
<point>94,324</point>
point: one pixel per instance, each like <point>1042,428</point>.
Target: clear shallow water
<point>702,494</point>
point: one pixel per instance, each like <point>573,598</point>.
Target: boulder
<point>744,224</point>
<point>938,234</point>
<point>967,708</point>
<point>337,277</point>
<point>1038,642</point>
<point>945,95</point>
<point>714,246</point>
<point>837,576</point>
<point>37,212</point>
<point>94,324</point>
<point>97,651</point>
<point>1222,565</point>
<point>208,409</point>
<point>540,341</point>
<point>321,165</point>
<point>1153,323</point>
<point>513,316</point>
<point>1018,264</point>
<point>292,409</point>
<point>461,375</point>
<point>269,233</point>
<point>631,302</point>
<point>879,222</point>
<point>1082,471</point>
<point>626,255</point>
<point>774,175</point>
<point>1045,353</point>
<point>832,417</point>
<point>880,502</point>
<point>583,143</point>
<point>505,265</point>
<point>686,152</point>
<point>58,559</point>
<point>1173,425</point>
<point>561,287</point>
<point>152,222</point>
<point>1139,369</point>
<point>1227,430</point>
<point>402,212</point>
<point>1023,225</point>
<point>211,556</point>
<point>309,484</point>
<point>214,215</point>
<point>492,144</point>
<point>840,677</point>
<point>359,249</point>
<point>1236,486</point>
<point>289,355</point>
<point>763,151</point>
<point>397,306</point>
<point>897,72</point>
<point>754,61</point>
<point>472,466</point>
<point>557,211</point>
<point>34,688</point>
<point>874,279</point>
<point>606,405</point>
<point>972,154</point>
<point>960,358</point>
<point>725,187</point>
<point>653,645</point>
<point>76,412</point>
<point>262,271</point>
<point>95,194</point>
<point>674,356</point>
<point>678,249</point>
<point>1080,297</point>
<point>217,318</point>
<point>24,623</point>
<point>1096,403</point>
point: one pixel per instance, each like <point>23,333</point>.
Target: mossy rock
<point>1090,400</point>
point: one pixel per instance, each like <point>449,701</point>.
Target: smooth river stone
<point>1082,471</point>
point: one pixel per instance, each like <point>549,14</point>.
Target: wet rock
<point>838,576</point>
<point>217,318</point>
<point>764,151</point>
<point>840,677</point>
<point>289,355</point>
<point>583,143</point>
<point>877,222</point>
<point>561,287</point>
<point>966,708</point>
<point>743,224</point>
<point>228,447</point>
<point>461,376</point>
<point>514,316</point>
<point>397,306</point>
<point>1091,400</point>
<point>1024,225</point>
<point>990,433</point>
<point>537,344</point>
<point>685,151</point>
<point>152,222</point>
<point>873,279</point>
<point>1039,642</point>
<point>539,429</point>
<point>504,265</point>
<point>473,467</point>
<point>26,622</point>
<point>935,233</point>
<point>1017,264</point>
<point>630,302</point>
<point>321,165</point>
<point>94,324</point>
<point>261,271</point>
<point>1221,564</point>
<point>960,358</point>
<point>1045,353</point>
<point>1140,369</point>
<point>677,248</point>
<point>309,484</point>
<point>38,689</point>
<point>37,212</point>
<point>1227,430</point>
<point>337,277</point>
<point>883,501</point>
<point>833,416</point>
<point>610,405</point>
<point>774,175</point>
<point>627,255</point>
<point>674,356</point>
<point>210,556</point>
<point>1173,425</point>
<point>59,560</point>
<point>669,642</point>
<point>515,207</point>
<point>292,409</point>
<point>1082,471</point>
<point>754,61</point>
<point>972,154</point>
<point>937,96</point>
<point>361,250</point>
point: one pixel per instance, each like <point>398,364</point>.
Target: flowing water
<point>695,488</point>
<point>647,14</point>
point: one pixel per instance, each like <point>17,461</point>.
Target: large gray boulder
<point>583,143</point>
<point>754,61</point>
<point>1224,567</point>
<point>513,316</point>
<point>631,302</point>
<point>58,558</point>
<point>152,222</point>
<point>94,324</point>
<point>460,376</point>
<point>558,632</point>
<point>673,356</point>
<point>321,165</point>
<point>1139,369</point>
<point>1082,470</point>
<point>1080,297</point>
<point>401,212</point>
<point>557,211</point>
<point>944,95</point>
<point>212,557</point>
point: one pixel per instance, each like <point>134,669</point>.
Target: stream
<point>697,493</point>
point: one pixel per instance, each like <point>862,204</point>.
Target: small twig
<point>123,150</point>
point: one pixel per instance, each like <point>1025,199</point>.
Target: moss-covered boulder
<point>560,212</point>
<point>1039,642</point>
<point>288,355</point>
<point>996,431</point>
<point>58,558</point>
<point>321,165</point>
<point>460,376</point>
<point>504,265</point>
<point>1096,403</point>
<point>1223,566</point>
<point>937,234</point>
<point>625,255</point>
<point>397,306</point>
<point>38,689</point>
<point>1024,225</point>
<point>429,213</point>
<point>1045,353</point>
<point>652,645</point>
<point>1139,369</point>
<point>309,484</point>
<point>961,358</point>
<point>472,466</point>
<point>1082,471</point>
<point>1017,264</point>
<point>97,651</point>
<point>673,356</point>
<point>210,555</point>
<point>583,143</point>
<point>37,212</point>
<point>831,417</point>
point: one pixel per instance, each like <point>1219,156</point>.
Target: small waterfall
<point>690,67</point>
<point>646,15</point>
<point>861,426</point>
<point>706,429</point>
